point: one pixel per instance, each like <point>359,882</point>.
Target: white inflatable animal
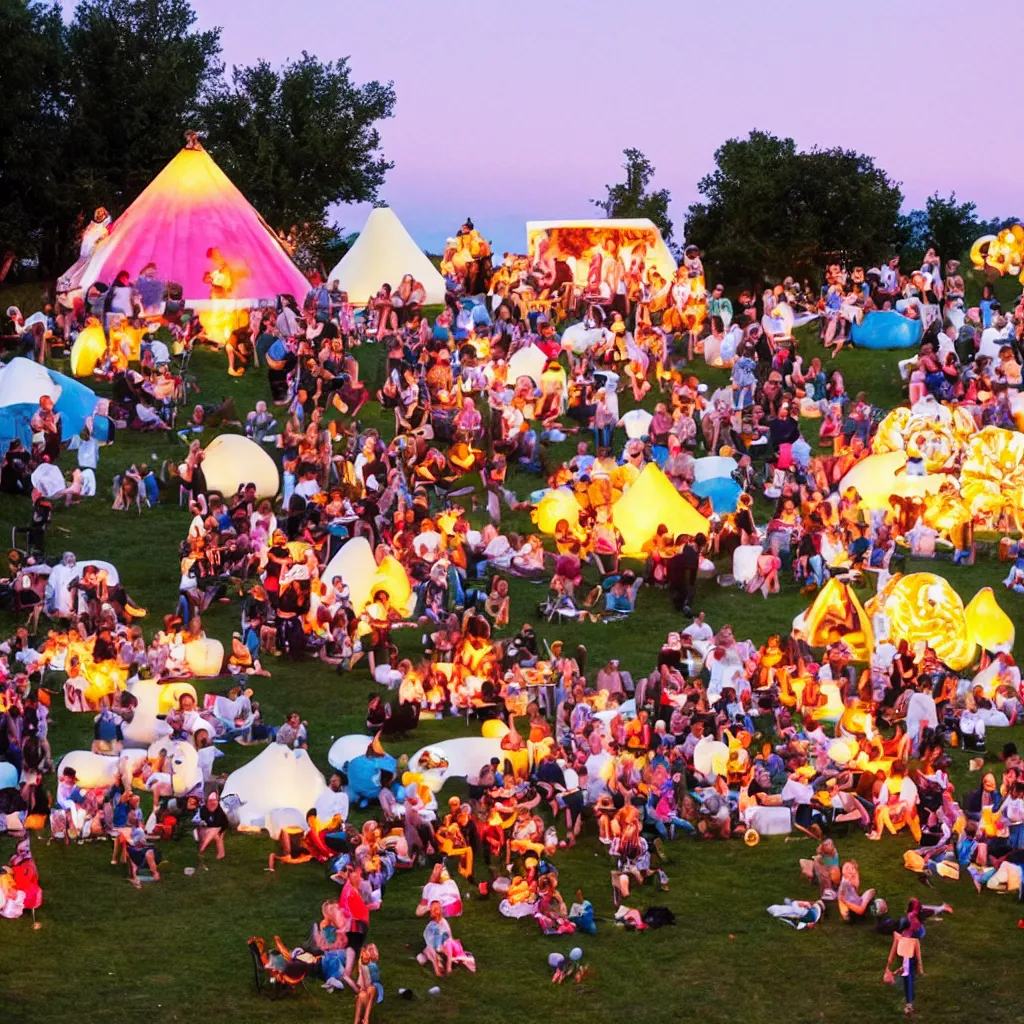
<point>277,778</point>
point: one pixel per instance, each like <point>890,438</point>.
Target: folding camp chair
<point>35,532</point>
<point>278,979</point>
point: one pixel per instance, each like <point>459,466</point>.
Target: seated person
<point>853,905</point>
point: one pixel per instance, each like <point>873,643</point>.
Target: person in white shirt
<point>287,319</point>
<point>58,587</point>
<point>889,277</point>
<point>699,630</point>
<point>921,714</point>
<point>159,352</point>
<point>208,753</point>
<point>993,338</point>
<point>332,801</point>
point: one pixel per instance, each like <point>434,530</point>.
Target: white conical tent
<point>384,253</point>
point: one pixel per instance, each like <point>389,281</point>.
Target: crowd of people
<point>718,737</point>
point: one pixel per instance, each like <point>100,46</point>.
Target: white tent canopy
<point>384,253</point>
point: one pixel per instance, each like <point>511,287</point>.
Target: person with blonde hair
<point>853,904</point>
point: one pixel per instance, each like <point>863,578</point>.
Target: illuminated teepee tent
<point>384,253</point>
<point>649,502</point>
<point>202,234</point>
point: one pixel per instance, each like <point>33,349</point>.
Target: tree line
<point>91,110</point>
<point>769,210</point>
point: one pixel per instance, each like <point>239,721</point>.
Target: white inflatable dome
<point>278,778</point>
<point>231,460</point>
<point>98,771</point>
<point>344,748</point>
<point>744,562</point>
<point>145,728</point>
<point>713,467</point>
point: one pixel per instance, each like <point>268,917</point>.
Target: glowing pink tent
<point>190,208</point>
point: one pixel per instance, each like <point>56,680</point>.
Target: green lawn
<point>178,948</point>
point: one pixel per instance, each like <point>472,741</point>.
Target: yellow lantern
<point>842,752</point>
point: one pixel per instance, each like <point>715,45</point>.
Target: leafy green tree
<point>298,140</point>
<point>631,198</point>
<point>138,73</point>
<point>944,225</point>
<point>769,210</point>
<point>31,105</point>
<point>952,226</point>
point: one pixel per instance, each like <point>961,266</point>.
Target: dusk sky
<point>517,112</point>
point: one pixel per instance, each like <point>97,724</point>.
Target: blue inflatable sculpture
<point>886,328</point>
<point>723,491</point>
<point>364,777</point>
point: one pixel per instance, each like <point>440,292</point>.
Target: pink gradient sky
<point>520,111</point>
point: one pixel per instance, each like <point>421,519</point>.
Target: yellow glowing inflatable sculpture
<point>1003,253</point>
<point>559,503</point>
<point>355,564</point>
<point>880,476</point>
<point>89,348</point>
<point>992,473</point>
<point>837,615</point>
<point>651,501</point>
<point>923,607</point>
<point>989,626</point>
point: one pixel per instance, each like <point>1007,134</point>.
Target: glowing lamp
<point>391,577</point>
<point>837,614</point>
<point>494,729</point>
<point>856,721</point>
<point>650,502</point>
<point>557,504</point>
<point>833,708</point>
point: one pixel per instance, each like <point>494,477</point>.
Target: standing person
<point>907,946</point>
<point>47,422</point>
<point>281,360</point>
<point>368,987</point>
<point>683,573</point>
<point>357,917</point>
